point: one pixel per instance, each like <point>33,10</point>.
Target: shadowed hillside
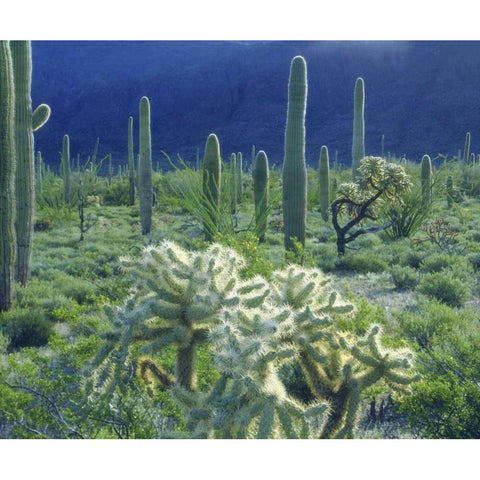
<point>422,95</point>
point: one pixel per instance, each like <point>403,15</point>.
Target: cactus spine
<point>358,144</point>
<point>260,191</point>
<point>212,177</point>
<point>7,177</point>
<point>294,167</point>
<point>66,166</point>
<point>466,150</point>
<point>145,188</point>
<point>131,168</point>
<point>324,182</point>
<point>426,180</point>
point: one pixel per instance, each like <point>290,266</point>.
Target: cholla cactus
<point>178,296</point>
<point>250,400</point>
<point>255,327</point>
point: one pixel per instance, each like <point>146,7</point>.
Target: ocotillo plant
<point>145,187</point>
<point>383,146</point>
<point>426,179</point>
<point>466,150</point>
<point>212,177</point>
<point>260,191</point>
<point>8,245</point>
<point>66,166</point>
<point>294,166</point>
<point>358,143</point>
<point>324,182</point>
<point>239,180</point>
<point>25,124</point>
<point>131,168</point>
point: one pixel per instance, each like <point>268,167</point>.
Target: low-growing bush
<point>404,278</point>
<point>361,263</point>
<point>443,287</point>
<point>25,327</point>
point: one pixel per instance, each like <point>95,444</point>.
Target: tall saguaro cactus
<point>145,187</point>
<point>324,182</point>
<point>239,169</point>
<point>294,166</point>
<point>358,144</point>
<point>131,168</point>
<point>426,180</point>
<point>233,182</point>
<point>212,177</point>
<point>26,122</point>
<point>260,191</point>
<point>7,177</point>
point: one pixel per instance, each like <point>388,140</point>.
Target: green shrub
<point>25,327</point>
<point>361,263</point>
<point>443,406</point>
<point>443,287</point>
<point>474,259</point>
<point>412,258</point>
<point>439,261</point>
<point>432,318</point>
<point>404,278</point>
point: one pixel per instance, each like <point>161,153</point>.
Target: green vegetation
<point>193,320</point>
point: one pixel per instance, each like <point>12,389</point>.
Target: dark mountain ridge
<point>423,96</point>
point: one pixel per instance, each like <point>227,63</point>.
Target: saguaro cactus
<point>358,144</point>
<point>25,124</point>
<point>449,188</point>
<point>212,177</point>
<point>426,179</point>
<point>466,150</point>
<point>7,177</point>
<point>239,167</point>
<point>131,168</point>
<point>145,188</point>
<point>324,182</point>
<point>294,167</point>
<point>233,182</point>
<point>66,166</point>
<point>260,191</point>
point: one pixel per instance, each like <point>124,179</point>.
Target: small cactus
<point>426,179</point>
<point>466,150</point>
<point>131,167</point>
<point>449,189</point>
<point>212,177</point>
<point>66,167</point>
